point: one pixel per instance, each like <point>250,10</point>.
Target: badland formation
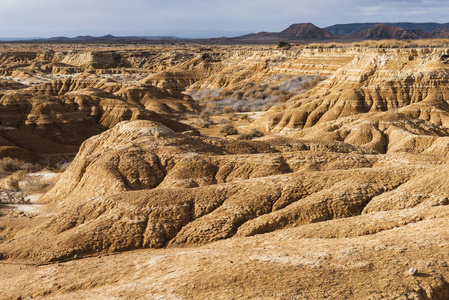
<point>226,171</point>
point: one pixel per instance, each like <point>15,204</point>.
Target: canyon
<point>333,187</point>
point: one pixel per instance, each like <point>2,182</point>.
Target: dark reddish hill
<point>382,31</point>
<point>305,31</point>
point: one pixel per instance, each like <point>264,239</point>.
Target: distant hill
<point>105,39</point>
<point>296,33</point>
<point>347,29</point>
<point>306,31</point>
<point>383,31</point>
<point>441,33</point>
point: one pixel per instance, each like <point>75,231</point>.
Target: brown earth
<point>346,192</point>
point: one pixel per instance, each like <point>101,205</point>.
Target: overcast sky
<point>188,18</point>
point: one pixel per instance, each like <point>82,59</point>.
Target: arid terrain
<point>224,172</point>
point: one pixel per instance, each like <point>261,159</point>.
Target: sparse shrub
<point>237,95</point>
<point>284,45</point>
<point>246,109</point>
<point>252,96</point>
<point>203,124</point>
<point>245,136</point>
<point>244,118</point>
<point>228,110</point>
<point>12,182</point>
<point>205,115</point>
<point>250,135</point>
<point>228,130</point>
<point>256,133</point>
<point>10,165</point>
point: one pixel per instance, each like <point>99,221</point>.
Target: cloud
<point>151,17</point>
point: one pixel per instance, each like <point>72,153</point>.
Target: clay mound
<point>297,262</point>
<point>151,98</point>
<point>105,108</point>
<point>62,86</point>
<point>137,155</point>
<point>151,219</point>
<point>284,264</point>
<point>145,155</point>
<point>56,68</point>
<point>382,132</point>
<point>173,79</point>
<point>191,190</point>
<point>382,31</point>
<point>158,100</point>
<point>17,57</point>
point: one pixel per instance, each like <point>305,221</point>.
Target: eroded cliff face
<point>348,183</point>
<point>412,82</point>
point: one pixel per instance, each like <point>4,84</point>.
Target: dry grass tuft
<point>249,136</point>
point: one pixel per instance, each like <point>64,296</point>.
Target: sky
<point>201,18</point>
